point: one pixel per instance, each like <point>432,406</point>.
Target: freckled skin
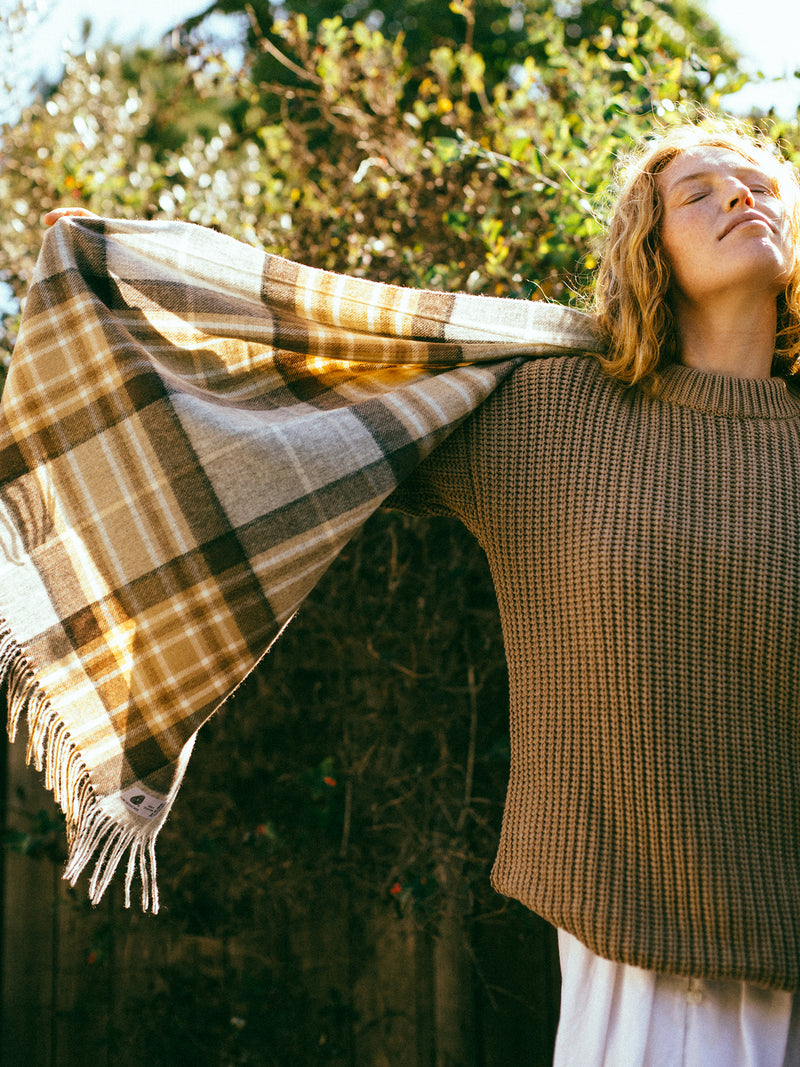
<point>705,192</point>
<point>728,239</point>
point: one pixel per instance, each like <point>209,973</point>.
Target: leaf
<point>448,149</point>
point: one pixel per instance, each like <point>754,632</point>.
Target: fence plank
<point>28,946</point>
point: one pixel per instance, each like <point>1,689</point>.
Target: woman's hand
<point>62,212</point>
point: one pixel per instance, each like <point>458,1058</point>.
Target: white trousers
<point>616,1015</point>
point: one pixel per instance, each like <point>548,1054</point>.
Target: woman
<point>640,515</point>
<point>639,511</point>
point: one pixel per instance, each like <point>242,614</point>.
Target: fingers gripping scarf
<point>191,431</point>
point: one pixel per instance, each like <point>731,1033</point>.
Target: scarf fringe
<point>50,749</point>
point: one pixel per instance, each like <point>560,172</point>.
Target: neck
<point>732,336</point>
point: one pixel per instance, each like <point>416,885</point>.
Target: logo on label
<point>142,803</point>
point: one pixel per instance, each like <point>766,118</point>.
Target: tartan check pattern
<point>191,431</point>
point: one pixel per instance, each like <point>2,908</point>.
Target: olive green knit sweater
<point>646,557</point>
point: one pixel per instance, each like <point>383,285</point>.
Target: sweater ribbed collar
<point>718,394</point>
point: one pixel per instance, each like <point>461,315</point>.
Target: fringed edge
<point>89,827</point>
<point>95,829</point>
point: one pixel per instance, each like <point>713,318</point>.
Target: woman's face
<point>724,229</point>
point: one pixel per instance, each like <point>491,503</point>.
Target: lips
<point>748,216</point>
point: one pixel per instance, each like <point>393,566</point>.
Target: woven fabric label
<point>142,803</point>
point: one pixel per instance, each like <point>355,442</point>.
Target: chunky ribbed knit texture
<point>646,557</point>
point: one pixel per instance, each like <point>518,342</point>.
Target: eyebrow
<point>738,171</point>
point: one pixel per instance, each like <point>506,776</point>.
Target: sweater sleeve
<point>443,484</point>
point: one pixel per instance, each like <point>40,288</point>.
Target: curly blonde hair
<point>632,289</point>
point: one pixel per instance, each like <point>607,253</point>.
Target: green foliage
<point>504,32</point>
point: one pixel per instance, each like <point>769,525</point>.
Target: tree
<point>507,32</point>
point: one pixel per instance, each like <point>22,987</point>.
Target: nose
<point>737,194</point>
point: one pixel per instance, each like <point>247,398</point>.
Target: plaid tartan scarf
<point>191,430</point>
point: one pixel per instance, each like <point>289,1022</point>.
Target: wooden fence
<point>103,986</point>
